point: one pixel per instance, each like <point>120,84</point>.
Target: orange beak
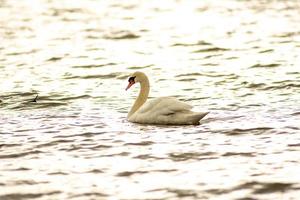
<point>131,83</point>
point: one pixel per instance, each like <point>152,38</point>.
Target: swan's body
<point>163,110</point>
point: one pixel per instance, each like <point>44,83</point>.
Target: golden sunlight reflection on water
<point>237,59</point>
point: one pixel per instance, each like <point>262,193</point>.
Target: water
<point>237,59</point>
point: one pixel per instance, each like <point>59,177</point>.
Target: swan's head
<point>136,77</point>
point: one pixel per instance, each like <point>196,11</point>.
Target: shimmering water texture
<point>237,59</point>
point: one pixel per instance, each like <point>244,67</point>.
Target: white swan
<point>163,110</point>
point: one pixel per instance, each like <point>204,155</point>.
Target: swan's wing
<point>164,106</point>
<point>166,110</point>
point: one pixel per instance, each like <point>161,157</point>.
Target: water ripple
<point>121,35</point>
<point>28,195</point>
<point>265,65</point>
<point>212,49</point>
<point>191,155</point>
<point>64,67</point>
<point>23,154</point>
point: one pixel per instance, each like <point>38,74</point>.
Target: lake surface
<point>237,59</point>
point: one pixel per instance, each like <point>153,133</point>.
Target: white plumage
<point>162,110</point>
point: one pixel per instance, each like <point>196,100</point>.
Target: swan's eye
<point>131,79</point>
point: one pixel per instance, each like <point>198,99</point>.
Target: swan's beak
<point>131,83</point>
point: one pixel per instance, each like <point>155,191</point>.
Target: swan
<point>162,110</point>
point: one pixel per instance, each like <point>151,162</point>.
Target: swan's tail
<point>196,117</point>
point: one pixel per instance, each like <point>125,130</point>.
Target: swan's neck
<point>142,98</point>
